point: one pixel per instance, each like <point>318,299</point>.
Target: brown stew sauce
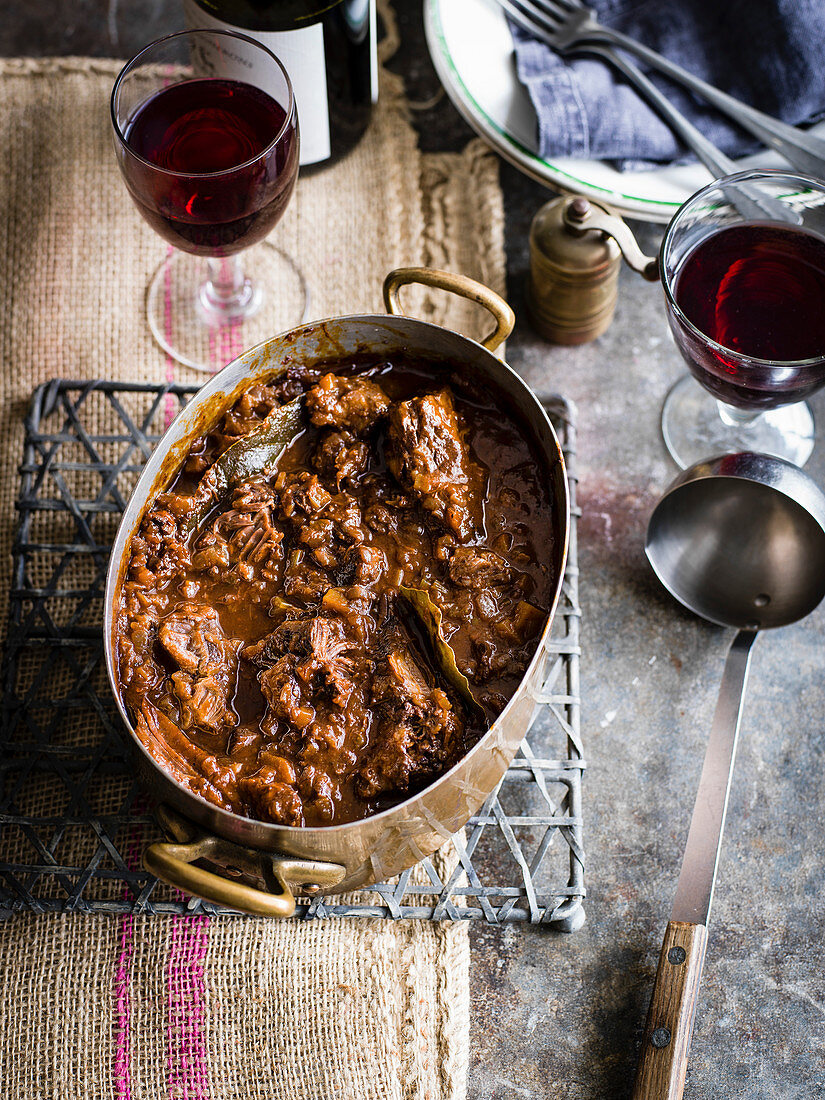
<point>265,653</point>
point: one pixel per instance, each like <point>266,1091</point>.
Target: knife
<point>669,1026</point>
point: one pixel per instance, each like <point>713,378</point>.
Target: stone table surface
<point>561,1016</point>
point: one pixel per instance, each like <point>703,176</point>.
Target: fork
<point>747,200</point>
<point>712,157</point>
<point>570,27</point>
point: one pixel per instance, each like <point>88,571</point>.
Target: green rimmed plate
<point>472,51</point>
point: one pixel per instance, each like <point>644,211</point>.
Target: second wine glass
<point>211,163</point>
<point>743,270</point>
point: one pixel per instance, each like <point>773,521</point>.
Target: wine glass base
<point>182,322</point>
<point>693,430</point>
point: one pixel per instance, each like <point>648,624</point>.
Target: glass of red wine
<point>743,271</point>
<point>211,162</point>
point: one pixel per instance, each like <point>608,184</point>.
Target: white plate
<point>472,51</point>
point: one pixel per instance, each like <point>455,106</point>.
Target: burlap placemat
<point>186,1007</point>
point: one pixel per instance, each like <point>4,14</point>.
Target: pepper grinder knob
<point>576,248</point>
<point>578,209</point>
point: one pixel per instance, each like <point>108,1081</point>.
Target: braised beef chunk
<point>159,552</point>
<point>340,458</point>
<point>272,799</point>
<point>418,729</point>
<point>362,565</point>
<point>248,412</point>
<point>270,665</point>
<point>303,581</point>
<point>249,524</point>
<point>341,402</point>
<point>322,524</point>
<point>302,494</point>
<point>286,695</point>
<point>316,643</point>
<point>247,532</point>
<point>206,663</point>
<point>306,652</point>
<point>473,568</point>
<point>426,452</point>
<point>296,379</point>
<point>198,770</point>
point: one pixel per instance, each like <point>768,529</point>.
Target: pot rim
<point>162,478</point>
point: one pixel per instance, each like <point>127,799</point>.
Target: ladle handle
<point>669,1026</point>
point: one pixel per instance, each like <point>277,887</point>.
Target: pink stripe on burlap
<point>186,1008</point>
<point>122,979</point>
<point>123,1089</point>
<point>227,344</point>
<point>225,354</point>
<point>213,351</point>
<point>230,345</point>
<point>235,342</point>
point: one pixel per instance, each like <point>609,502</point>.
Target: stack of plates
<point>472,51</point>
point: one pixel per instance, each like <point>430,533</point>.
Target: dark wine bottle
<point>328,49</point>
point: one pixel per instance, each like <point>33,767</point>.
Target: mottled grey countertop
<point>561,1016</point>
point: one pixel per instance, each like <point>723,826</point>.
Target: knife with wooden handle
<point>669,1026</point>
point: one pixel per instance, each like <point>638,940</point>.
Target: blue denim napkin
<point>769,53</point>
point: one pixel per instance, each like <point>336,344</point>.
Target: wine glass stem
<point>227,295</point>
<point>737,418</point>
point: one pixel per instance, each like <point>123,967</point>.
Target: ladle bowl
<point>740,541</point>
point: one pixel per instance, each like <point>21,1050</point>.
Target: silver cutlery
<point>709,154</point>
<point>749,201</point>
<point>570,27</point>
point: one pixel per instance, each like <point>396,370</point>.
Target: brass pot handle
<point>173,862</point>
<point>462,285</point>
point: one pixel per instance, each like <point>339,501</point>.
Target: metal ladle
<point>740,541</point>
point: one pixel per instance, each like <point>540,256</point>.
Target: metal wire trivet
<point>72,818</point>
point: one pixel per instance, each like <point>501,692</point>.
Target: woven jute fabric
<point>180,1007</point>
<point>224,1008</point>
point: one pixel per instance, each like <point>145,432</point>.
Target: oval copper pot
<point>256,864</point>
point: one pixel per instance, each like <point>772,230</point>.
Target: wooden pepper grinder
<point>575,251</point>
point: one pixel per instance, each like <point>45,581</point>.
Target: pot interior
<point>446,804</point>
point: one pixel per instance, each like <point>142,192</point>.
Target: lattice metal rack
<point>72,819</point>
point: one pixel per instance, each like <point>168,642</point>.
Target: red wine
<point>328,47</point>
<point>223,185</point>
<point>759,291</point>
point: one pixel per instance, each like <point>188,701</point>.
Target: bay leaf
<point>253,453</point>
<point>428,614</point>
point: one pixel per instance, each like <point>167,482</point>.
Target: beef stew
<point>263,649</point>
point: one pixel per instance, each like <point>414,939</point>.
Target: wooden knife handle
<point>666,1041</point>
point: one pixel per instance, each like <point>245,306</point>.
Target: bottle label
<point>301,52</point>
